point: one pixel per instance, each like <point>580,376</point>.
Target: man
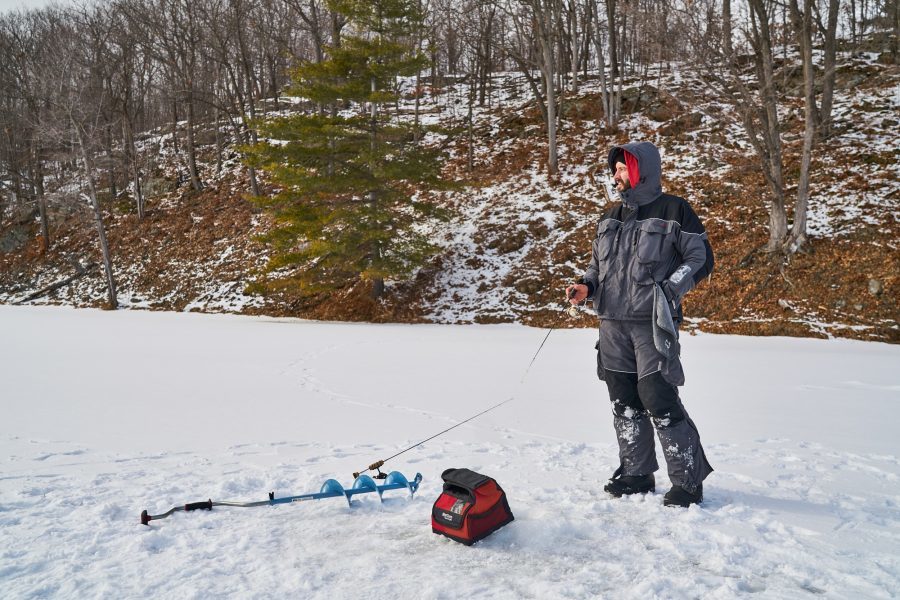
<point>650,250</point>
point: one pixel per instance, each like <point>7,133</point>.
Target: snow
<point>109,413</point>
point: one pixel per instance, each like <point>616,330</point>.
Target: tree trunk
<point>824,117</point>
<point>545,39</point>
<point>38,176</point>
<point>573,37</point>
<point>175,126</point>
<point>613,46</point>
<point>726,30</point>
<point>113,190</point>
<point>192,155</point>
<point>98,218</point>
<point>803,25</point>
<point>601,66</point>
<point>471,149</point>
<point>771,133</point>
<point>219,142</point>
<point>377,288</point>
<point>131,157</point>
<point>895,39</point>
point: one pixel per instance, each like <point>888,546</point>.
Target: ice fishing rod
<point>571,311</point>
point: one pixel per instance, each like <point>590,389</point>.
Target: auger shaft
<point>330,489</point>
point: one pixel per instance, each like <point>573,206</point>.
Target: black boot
<point>678,496</point>
<point>623,485</point>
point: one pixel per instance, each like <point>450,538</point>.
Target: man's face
<point>620,177</point>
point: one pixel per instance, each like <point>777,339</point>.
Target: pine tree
<point>347,210</point>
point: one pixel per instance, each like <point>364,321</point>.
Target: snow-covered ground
<point>108,413</point>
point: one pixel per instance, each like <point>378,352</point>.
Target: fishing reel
<point>572,310</point>
<point>376,466</point>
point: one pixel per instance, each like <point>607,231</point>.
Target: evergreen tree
<point>348,172</point>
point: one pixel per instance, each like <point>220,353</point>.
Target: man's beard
<point>625,185</point>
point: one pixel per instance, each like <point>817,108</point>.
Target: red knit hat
<point>634,173</point>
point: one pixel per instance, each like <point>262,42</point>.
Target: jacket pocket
<point>649,247</point>
<point>652,250</point>
<point>603,248</point>
<point>605,239</point>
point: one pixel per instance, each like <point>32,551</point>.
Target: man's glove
<point>670,295</point>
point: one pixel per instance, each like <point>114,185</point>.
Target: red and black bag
<point>471,507</point>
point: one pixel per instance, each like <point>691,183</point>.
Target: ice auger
<point>332,488</point>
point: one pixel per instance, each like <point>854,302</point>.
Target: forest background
<point>444,160</point>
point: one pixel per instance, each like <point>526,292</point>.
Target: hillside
<point>516,237</point>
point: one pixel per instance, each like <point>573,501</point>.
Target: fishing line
<point>572,310</point>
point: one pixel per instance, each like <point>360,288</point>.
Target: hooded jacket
<point>648,238</point>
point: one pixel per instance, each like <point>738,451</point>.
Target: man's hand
<point>576,293</point>
<point>670,294</point>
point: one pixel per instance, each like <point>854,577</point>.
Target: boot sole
<point>678,505</point>
<point>630,493</point>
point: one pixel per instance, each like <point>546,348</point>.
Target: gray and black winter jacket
<point>648,238</point>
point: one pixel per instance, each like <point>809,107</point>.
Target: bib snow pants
<point>640,394</point>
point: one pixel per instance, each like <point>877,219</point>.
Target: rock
<point>633,98</point>
<point>511,242</point>
<point>24,215</point>
<point>858,306</point>
<point>886,58</point>
<point>529,286</point>
<point>784,304</point>
<point>154,187</point>
<point>660,113</point>
<point>14,239</point>
<point>875,287</point>
<point>840,303</point>
<point>682,124</point>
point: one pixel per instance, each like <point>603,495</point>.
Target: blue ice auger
<point>364,484</point>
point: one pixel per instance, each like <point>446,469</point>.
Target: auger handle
<point>205,505</point>
<point>372,467</point>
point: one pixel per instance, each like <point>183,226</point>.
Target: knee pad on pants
<point>623,392</point>
<point>660,398</point>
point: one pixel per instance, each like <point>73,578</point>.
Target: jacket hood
<point>649,187</point>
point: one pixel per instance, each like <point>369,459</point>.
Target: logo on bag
<point>447,517</point>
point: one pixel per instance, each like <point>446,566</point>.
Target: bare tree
<point>74,88</point>
<point>611,87</point>
<point>802,22</point>
<point>172,36</point>
<point>538,20</point>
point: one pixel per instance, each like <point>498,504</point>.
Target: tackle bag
<point>471,507</point>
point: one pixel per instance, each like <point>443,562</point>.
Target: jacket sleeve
<point>590,277</point>
<point>695,251</point>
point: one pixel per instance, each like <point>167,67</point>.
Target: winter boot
<point>623,485</point>
<point>678,496</point>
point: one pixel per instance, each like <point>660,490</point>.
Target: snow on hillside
<point>517,236</point>
<point>109,413</point>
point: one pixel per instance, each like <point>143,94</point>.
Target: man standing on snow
<point>650,250</point>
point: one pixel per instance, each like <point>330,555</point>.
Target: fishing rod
<point>362,484</point>
<point>571,311</point>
